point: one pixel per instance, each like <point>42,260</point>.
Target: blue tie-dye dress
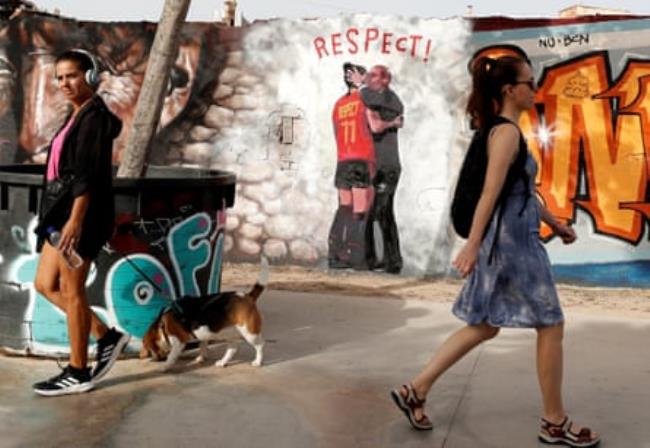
<point>516,288</point>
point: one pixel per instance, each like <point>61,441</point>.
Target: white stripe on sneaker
<point>108,357</point>
<point>77,389</point>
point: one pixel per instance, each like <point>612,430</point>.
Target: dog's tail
<point>262,279</point>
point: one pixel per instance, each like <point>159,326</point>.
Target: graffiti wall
<point>263,102</point>
<point>590,135</point>
<point>165,246</point>
<point>303,66</point>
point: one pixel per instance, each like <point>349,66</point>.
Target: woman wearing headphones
<point>77,216</point>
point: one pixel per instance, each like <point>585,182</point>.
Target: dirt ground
<point>628,302</point>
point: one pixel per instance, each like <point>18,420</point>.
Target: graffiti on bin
<point>136,285</point>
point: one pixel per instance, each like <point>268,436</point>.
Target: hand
<point>70,235</point>
<point>354,76</point>
<point>466,259</point>
<point>566,233</point>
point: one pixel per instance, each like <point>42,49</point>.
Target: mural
<point>590,134</point>
<point>302,62</point>
<point>259,101</point>
<point>351,239</point>
<point>136,287</point>
<point>29,47</point>
<point>366,122</point>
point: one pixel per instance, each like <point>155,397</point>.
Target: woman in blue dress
<point>509,281</point>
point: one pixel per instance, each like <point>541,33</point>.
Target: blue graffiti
<point>189,251</point>
<point>137,286</point>
<point>21,240</point>
<point>214,284</point>
<point>47,323</point>
<point>615,274</point>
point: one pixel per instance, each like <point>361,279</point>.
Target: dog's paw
<point>256,363</point>
<point>221,363</point>
<point>199,359</point>
<point>165,368</point>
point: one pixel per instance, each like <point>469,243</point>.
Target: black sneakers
<point>108,350</point>
<point>76,381</point>
<point>69,381</point>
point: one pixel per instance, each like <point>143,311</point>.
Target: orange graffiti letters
<point>589,155</point>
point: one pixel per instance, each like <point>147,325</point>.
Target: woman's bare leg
<point>550,367</point>
<point>47,283</point>
<point>457,345</point>
<point>549,370</point>
<point>73,292</point>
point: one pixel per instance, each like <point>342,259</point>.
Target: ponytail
<point>488,77</point>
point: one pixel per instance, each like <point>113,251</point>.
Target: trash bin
<point>168,243</point>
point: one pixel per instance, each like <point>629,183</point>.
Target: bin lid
<point>31,174</point>
<point>156,177</point>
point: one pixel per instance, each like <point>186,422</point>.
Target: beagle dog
<point>205,319</point>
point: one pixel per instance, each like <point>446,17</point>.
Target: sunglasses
<point>530,83</point>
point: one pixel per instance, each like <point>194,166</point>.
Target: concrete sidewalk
<point>330,362</point>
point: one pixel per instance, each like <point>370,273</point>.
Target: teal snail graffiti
<point>137,285</point>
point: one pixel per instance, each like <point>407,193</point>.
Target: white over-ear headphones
<point>92,75</point>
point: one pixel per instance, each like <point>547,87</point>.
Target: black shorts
<point>352,174</point>
<point>386,179</point>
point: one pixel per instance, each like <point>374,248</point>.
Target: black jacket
<point>85,166</point>
<point>388,105</point>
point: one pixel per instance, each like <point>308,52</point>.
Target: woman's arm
<point>503,145</point>
<point>71,231</point>
<point>564,231</point>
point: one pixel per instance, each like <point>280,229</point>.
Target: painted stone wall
<point>286,201</point>
<point>258,101</point>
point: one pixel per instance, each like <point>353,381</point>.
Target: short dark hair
<point>82,60</point>
<point>350,66</point>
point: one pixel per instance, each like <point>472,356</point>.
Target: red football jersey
<point>353,138</point>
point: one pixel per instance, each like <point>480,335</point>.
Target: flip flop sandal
<point>561,434</point>
<point>408,404</point>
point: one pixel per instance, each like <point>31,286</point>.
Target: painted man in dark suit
<point>385,117</point>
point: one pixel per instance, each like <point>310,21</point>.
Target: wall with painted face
<point>30,45</point>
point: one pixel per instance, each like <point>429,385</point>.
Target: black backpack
<point>472,177</point>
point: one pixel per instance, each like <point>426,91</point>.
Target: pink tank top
<point>55,152</point>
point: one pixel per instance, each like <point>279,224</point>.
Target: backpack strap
<point>522,154</point>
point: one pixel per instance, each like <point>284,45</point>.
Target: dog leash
<point>173,304</point>
<point>143,275</point>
